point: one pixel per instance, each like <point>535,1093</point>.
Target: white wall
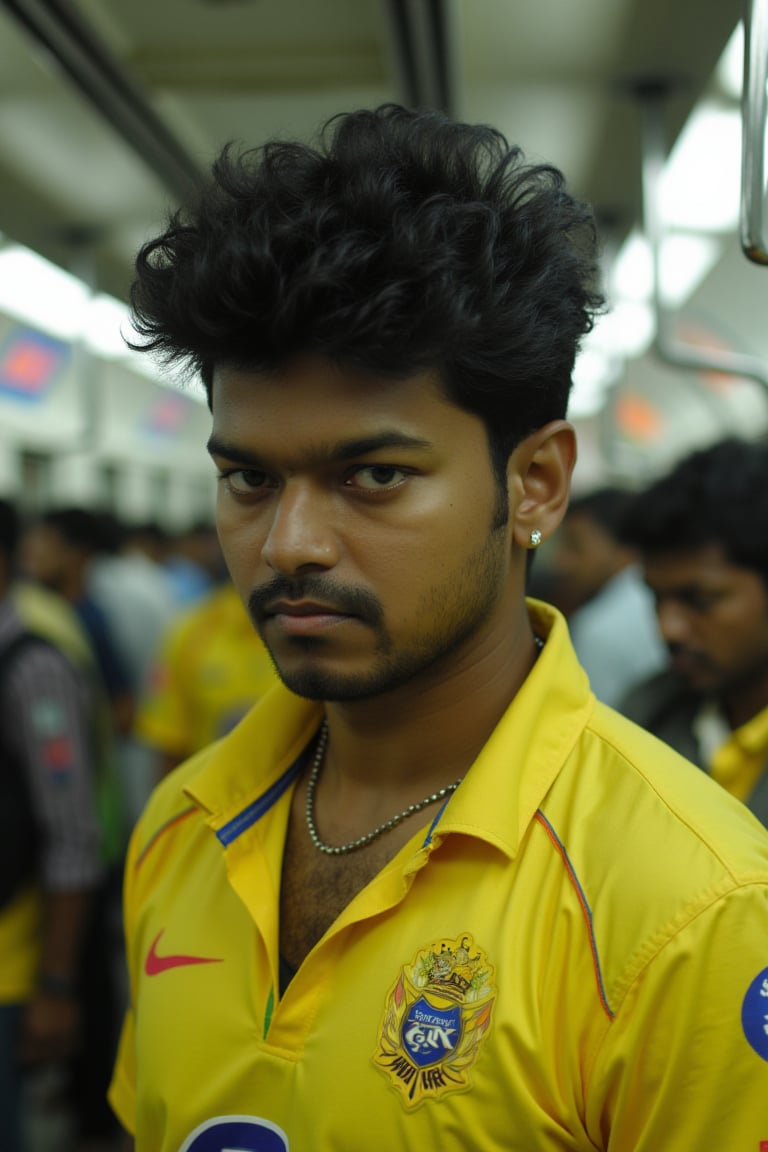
<point>100,419</point>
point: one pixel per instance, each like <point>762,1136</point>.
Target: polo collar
<point>243,774</point>
<point>528,747</point>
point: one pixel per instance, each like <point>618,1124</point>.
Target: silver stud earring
<point>535,538</point>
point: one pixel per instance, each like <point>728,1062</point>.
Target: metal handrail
<point>667,348</point>
<point>753,119</point>
<point>86,59</point>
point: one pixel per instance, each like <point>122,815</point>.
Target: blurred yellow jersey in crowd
<point>210,669</point>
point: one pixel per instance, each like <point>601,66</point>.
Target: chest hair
<point>315,888</point>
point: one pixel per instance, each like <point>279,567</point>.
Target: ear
<point>539,480</point>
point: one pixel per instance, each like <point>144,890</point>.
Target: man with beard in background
<point>702,531</point>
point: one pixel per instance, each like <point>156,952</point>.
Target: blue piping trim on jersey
<point>430,830</point>
<point>587,910</point>
<point>248,817</point>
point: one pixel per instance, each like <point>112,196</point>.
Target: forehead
<point>315,396</point>
<point>45,536</point>
<point>696,567</point>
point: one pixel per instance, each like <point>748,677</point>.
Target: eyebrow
<point>685,590</point>
<point>336,453</point>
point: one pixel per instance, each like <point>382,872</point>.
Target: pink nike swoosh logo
<point>154,964</point>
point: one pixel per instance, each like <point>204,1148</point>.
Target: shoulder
<point>170,793</point>
<point>654,843</point>
<point>170,819</point>
<point>232,775</point>
<point>29,655</point>
<point>677,792</point>
<point>47,615</point>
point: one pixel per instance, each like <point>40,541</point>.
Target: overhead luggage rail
<point>754,107</point>
<point>666,347</point>
<point>59,28</point>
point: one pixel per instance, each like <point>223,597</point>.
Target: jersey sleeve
<point>49,721</point>
<point>684,1064</point>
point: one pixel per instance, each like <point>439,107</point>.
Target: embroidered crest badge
<point>435,1019</point>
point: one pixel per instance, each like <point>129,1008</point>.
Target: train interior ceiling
<point>110,112</point>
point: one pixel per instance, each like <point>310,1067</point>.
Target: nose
<point>674,623</point>
<point>301,534</point>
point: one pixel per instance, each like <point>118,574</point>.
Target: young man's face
<point>356,520</point>
<point>713,616</point>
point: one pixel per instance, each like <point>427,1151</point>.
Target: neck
<point>742,703</point>
<point>74,583</point>
<point>425,735</point>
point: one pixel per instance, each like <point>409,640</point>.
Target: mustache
<point>342,598</point>
<point>691,654</point>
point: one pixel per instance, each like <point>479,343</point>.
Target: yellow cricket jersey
<point>736,758</point>
<point>572,955</point>
<point>211,668</point>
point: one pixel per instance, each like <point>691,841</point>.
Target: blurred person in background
<point>702,532</point>
<point>178,556</point>
<point>612,620</point>
<point>210,669</point>
<point>52,864</point>
<point>194,562</point>
<point>58,550</point>
<point>131,586</point>
<point>128,580</point>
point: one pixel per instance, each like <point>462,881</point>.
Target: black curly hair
<point>716,495</point>
<point>404,242</point>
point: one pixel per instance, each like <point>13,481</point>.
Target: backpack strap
<point>19,837</point>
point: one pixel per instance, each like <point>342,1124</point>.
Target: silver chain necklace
<point>352,845</point>
<point>342,849</point>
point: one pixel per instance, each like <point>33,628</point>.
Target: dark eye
<point>702,601</point>
<point>245,481</point>
<point>377,477</point>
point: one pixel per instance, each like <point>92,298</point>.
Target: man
<point>703,533</point>
<point>58,550</point>
<point>49,847</point>
<point>613,625</point>
<point>429,893</point>
<point>135,593</point>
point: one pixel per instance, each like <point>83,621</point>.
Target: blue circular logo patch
<point>236,1134</point>
<point>754,1014</point>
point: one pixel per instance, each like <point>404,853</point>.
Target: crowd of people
<point>122,651</point>
<point>326,831</point>
<point>666,597</point>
